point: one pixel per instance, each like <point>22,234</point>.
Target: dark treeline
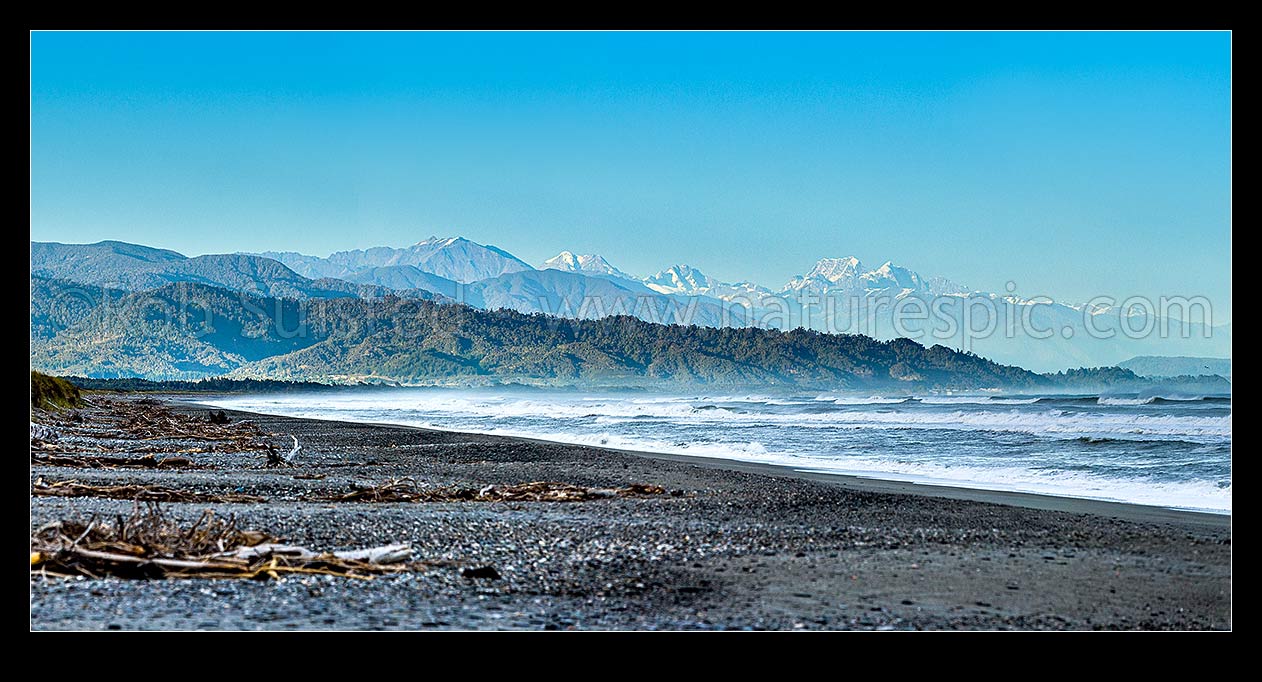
<point>1118,378</point>
<point>210,385</point>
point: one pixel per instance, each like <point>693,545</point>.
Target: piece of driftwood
<point>388,554</point>
<point>42,433</point>
<point>408,490</point>
<point>143,493</point>
<point>395,490</point>
<point>148,544</point>
<point>275,459</point>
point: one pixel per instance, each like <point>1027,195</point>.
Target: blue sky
<point>1074,165</point>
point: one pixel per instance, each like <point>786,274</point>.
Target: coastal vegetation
<point>52,393</point>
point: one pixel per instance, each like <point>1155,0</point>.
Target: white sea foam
<point>796,433</point>
<point>976,400</point>
<point>1046,422</point>
<point>1190,495</point>
<point>1126,401</point>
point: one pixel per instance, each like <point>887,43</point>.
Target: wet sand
<point>736,546</point>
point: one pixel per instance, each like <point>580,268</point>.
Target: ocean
<point>1172,451</point>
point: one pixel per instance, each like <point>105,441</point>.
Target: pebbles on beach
<point>740,550</point>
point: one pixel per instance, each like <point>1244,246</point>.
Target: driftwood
<point>108,462</point>
<point>389,554</point>
<point>274,458</point>
<point>121,425</point>
<point>143,493</point>
<point>407,490</point>
<point>151,545</point>
<point>43,433</point>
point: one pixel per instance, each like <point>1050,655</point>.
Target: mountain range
<point>836,295</point>
<point>188,330</point>
<point>452,258</point>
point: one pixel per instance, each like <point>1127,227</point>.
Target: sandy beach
<point>729,546</point>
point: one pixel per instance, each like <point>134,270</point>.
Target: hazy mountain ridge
<point>1121,380</point>
<point>453,258</point>
<point>1170,366</point>
<point>837,295</point>
<point>117,265</point>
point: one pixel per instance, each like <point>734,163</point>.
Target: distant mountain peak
<point>680,279</point>
<point>848,275</point>
<point>590,264</point>
<point>836,269</point>
<point>890,276</point>
<point>444,241</point>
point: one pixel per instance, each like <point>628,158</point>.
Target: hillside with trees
<point>189,331</point>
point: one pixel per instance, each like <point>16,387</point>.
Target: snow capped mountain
<point>848,276</point>
<point>578,295</point>
<point>680,279</point>
<point>747,292</point>
<point>941,286</point>
<point>589,264</point>
<point>463,261</point>
<point>828,273</point>
<point>454,258</point>
<point>685,280</point>
<point>890,276</point>
<point>836,269</point>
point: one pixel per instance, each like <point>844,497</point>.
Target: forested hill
<point>188,331</point>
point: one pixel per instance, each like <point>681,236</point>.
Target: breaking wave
<point>1173,451</point>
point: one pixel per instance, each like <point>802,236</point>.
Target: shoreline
<point>721,545</point>
<point>1129,511</point>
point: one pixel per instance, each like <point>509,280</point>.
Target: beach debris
<point>118,425</point>
<point>42,433</point>
<point>395,490</point>
<point>143,493</point>
<point>219,417</point>
<point>408,490</point>
<point>389,554</point>
<point>310,477</point>
<point>637,489</point>
<point>107,462</point>
<point>275,459</point>
<point>485,572</point>
<point>149,544</point>
<point>544,491</point>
